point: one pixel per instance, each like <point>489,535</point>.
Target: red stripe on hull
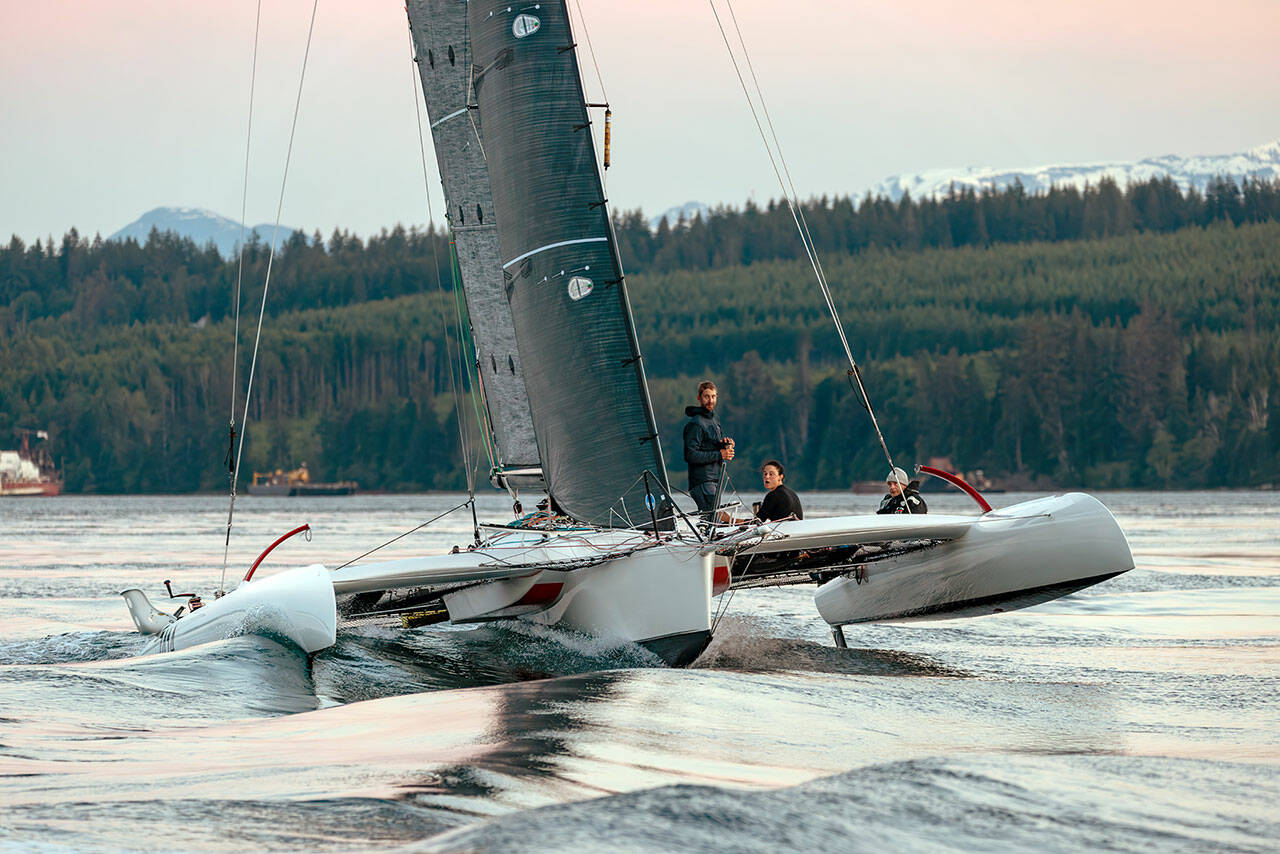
<point>541,594</point>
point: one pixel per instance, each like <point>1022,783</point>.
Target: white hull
<point>623,584</point>
<point>659,598</point>
<point>297,605</point>
<point>618,584</point>
<point>1010,558</point>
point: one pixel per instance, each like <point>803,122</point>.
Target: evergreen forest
<point>1106,338</point>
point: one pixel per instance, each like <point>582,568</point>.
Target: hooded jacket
<point>703,440</point>
<point>909,498</point>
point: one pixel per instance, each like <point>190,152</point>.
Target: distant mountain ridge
<point>201,226</point>
<point>1262,161</point>
<point>689,210</point>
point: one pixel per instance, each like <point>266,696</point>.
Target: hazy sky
<point>113,108</point>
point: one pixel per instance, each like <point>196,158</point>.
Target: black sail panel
<point>442,51</point>
<point>587,390</point>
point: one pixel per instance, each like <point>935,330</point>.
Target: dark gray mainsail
<point>586,382</point>
<point>439,30</point>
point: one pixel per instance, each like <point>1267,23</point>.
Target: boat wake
<point>250,676</point>
<point>1001,802</point>
<point>754,653</point>
<point>70,647</point>
<point>372,662</point>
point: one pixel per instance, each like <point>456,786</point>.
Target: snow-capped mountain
<point>200,225</point>
<point>688,210</point>
<point>1262,162</point>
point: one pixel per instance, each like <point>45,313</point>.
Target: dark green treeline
<point>1143,361</point>
<point>964,217</point>
<point>1143,358</point>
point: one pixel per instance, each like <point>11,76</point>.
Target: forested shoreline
<point>1105,339</point>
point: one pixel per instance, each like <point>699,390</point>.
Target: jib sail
<point>439,30</point>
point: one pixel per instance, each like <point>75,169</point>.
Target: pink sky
<point>111,109</point>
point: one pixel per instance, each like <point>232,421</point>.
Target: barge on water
<point>297,482</point>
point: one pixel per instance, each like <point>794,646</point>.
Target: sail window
<point>525,25</point>
<point>579,287</point>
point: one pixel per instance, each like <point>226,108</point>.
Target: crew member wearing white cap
<point>904,495</point>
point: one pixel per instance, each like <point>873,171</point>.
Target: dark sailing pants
<point>704,495</point>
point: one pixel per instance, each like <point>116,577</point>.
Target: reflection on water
<point>1137,714</point>
<point>963,803</point>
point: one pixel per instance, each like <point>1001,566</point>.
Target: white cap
<point>898,475</point>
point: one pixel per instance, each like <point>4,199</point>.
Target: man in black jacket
<point>904,495</point>
<point>781,501</point>
<point>706,449</point>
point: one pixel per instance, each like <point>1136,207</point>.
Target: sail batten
<point>587,390</point>
<point>533,252</point>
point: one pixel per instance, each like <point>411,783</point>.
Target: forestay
<point>442,51</point>
<point>587,391</point>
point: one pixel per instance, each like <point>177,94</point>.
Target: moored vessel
<point>297,482</point>
<point>29,471</point>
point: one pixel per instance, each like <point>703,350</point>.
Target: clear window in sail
<point>525,25</point>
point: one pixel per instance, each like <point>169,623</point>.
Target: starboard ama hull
<point>1011,558</point>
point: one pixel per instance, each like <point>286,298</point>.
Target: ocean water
<point>1140,714</point>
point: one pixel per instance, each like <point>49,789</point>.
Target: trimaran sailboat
<point>551,317</point>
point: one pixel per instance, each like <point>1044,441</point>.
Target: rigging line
<point>403,535</point>
<point>683,515</point>
<point>275,232</point>
<point>723,608</point>
<point>484,426</point>
<point>463,371</point>
<point>457,406</point>
<point>728,594</point>
<point>480,402</point>
<point>809,250</point>
<point>789,191</point>
<point>805,238</point>
<point>415,82</point>
<point>591,50</point>
<point>244,197</point>
<point>773,162</point>
<point>472,471</point>
<point>803,224</point>
<point>235,338</point>
<point>777,144</point>
<point>604,96</point>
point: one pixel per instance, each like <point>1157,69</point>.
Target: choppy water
<point>1140,714</point>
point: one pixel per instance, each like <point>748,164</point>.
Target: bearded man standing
<point>706,449</point>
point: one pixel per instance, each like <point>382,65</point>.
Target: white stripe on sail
<point>531,252</point>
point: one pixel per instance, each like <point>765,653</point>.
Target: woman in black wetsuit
<point>781,501</point>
